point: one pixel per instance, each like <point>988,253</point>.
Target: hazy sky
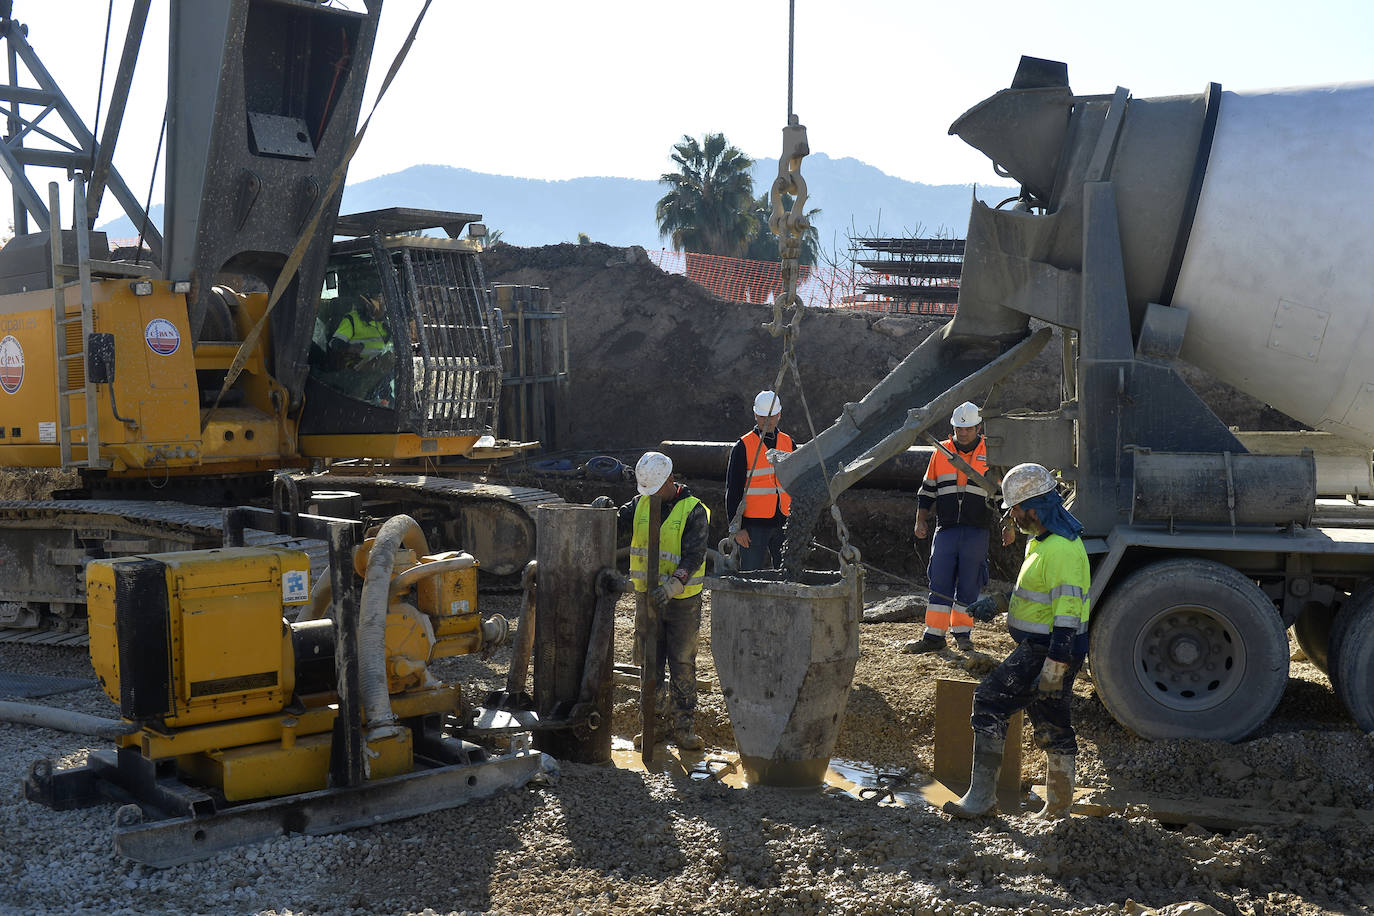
<point>556,90</point>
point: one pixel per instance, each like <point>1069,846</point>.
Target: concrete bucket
<point>785,654</point>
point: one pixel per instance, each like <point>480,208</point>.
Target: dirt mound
<point>654,356</point>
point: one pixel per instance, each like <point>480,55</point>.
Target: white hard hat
<point>965,415</point>
<point>652,472</point>
<point>1025,481</point>
<point>767,404</point>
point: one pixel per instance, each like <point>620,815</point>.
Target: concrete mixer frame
<point>1203,553</point>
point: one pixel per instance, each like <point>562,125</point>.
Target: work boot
<point>981,796</point>
<point>687,740</point>
<point>964,642</point>
<point>923,645</point>
<point>1058,787</point>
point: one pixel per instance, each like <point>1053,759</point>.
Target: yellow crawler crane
<point>188,374</point>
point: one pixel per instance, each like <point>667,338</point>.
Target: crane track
<point>45,544</point>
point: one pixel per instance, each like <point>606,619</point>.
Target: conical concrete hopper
<point>785,654</point>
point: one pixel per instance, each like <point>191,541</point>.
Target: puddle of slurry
<point>859,780</point>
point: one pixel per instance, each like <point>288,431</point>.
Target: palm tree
<point>764,245</point>
<point>707,209</point>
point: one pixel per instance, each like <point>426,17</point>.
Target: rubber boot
<point>981,796</point>
<point>1058,787</point>
<point>923,645</point>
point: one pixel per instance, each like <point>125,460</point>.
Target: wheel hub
<point>1189,659</point>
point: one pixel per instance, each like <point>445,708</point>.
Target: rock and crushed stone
<point>603,839</point>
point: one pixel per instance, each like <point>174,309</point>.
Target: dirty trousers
<point>679,626</point>
<point>1013,685</point>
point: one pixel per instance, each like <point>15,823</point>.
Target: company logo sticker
<point>295,586</point>
<point>11,365</point>
<point>162,336</point>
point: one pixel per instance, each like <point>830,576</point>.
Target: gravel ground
<point>617,840</point>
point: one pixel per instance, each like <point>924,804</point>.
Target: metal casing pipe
<point>575,544</point>
<point>709,460</point>
<point>1226,489</point>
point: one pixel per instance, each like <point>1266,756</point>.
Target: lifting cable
<point>100,90</point>
<point>790,225</point>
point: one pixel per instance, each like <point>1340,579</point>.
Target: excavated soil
<point>653,356</point>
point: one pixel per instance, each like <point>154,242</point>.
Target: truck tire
<point>1364,594</point>
<point>1351,657</point>
<point>1189,648</point>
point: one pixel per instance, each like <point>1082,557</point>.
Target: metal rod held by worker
<point>648,615</point>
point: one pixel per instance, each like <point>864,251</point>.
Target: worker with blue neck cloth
<point>1047,615</point>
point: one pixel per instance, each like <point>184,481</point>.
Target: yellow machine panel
<point>196,636</point>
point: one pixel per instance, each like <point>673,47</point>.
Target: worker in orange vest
<point>959,552</point>
<point>752,486</point>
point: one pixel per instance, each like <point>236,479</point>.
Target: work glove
<point>670,589</point>
<point>603,502</point>
<point>988,607</point>
<point>1052,675</point>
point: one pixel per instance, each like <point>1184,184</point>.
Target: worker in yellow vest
<point>752,484</point>
<point>362,334</point>
<point>1047,615</point>
<point>675,587</point>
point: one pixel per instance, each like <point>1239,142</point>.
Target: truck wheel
<point>1189,648</point>
<point>1351,657</point>
<point>1313,633</point>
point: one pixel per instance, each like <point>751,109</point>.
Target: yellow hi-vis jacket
<point>366,331</point>
<point>1051,592</point>
<point>669,545</point>
<point>762,495</point>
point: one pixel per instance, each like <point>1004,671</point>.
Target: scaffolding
<point>912,275</point>
<point>534,379</point>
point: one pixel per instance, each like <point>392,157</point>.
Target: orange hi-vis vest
<point>762,495</point>
<point>945,479</point>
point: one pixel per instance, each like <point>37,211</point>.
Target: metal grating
<point>457,369</point>
<point>40,685</point>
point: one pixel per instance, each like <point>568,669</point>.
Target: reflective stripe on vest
<point>945,478</point>
<point>669,545</point>
<point>762,495</point>
<point>1052,589</point>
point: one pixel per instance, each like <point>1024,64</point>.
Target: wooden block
<point>954,744</point>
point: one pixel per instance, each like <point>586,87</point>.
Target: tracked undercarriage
<point>45,545</point>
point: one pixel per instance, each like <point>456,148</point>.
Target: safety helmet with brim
<point>1026,481</point>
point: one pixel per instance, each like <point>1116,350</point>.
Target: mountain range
<point>855,199</point>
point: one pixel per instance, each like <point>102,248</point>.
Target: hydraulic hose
<point>63,720</point>
<point>372,607</point>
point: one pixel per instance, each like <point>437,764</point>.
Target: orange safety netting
<point>742,280</point>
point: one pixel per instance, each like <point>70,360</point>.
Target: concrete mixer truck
<point>1223,229</point>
